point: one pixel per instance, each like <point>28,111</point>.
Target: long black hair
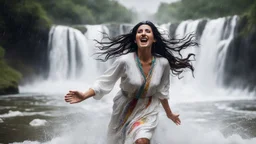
<point>169,48</point>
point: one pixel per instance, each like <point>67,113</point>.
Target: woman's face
<point>144,36</point>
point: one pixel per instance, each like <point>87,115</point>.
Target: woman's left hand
<point>175,118</point>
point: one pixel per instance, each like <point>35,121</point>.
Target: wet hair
<point>167,47</point>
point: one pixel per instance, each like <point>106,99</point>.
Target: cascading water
<point>72,63</point>
<point>210,63</point>
<point>66,45</point>
<point>199,100</point>
<point>70,53</point>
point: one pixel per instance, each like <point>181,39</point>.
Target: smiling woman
<point>144,36</point>
<point>144,61</point>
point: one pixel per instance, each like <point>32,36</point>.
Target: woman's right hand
<point>74,97</point>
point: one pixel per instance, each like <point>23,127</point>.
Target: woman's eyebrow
<point>145,29</point>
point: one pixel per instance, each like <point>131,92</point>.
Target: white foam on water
<point>18,113</point>
<point>27,142</point>
<point>223,106</point>
<point>187,135</point>
<point>11,114</point>
<point>166,133</point>
<point>7,107</point>
<point>38,122</point>
<point>1,120</point>
<point>49,87</point>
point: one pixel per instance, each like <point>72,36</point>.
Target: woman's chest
<point>133,77</point>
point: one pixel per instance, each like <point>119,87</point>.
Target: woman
<point>144,60</point>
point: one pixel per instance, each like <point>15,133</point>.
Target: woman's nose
<point>143,33</point>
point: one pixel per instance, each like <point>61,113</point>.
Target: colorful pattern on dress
<point>146,79</point>
<point>149,101</point>
<point>128,109</point>
<point>138,123</point>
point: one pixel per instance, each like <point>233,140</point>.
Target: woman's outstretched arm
<point>174,117</point>
<point>76,96</point>
<point>102,86</point>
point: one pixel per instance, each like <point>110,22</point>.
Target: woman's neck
<point>144,54</point>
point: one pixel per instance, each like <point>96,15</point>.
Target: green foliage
<point>32,12</point>
<point>252,15</point>
<point>248,21</point>
<point>19,19</point>
<point>85,11</point>
<point>195,9</point>
<point>81,28</point>
<point>67,12</point>
<point>168,12</point>
<point>109,11</point>
<point>8,76</point>
<point>2,51</point>
<point>27,13</point>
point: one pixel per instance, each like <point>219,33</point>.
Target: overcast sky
<point>149,6</point>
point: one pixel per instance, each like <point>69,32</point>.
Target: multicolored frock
<point>136,105</point>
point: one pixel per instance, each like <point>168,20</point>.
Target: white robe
<point>143,119</point>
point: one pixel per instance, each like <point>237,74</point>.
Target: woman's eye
<point>148,31</point>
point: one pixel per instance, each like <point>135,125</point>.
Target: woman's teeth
<point>143,40</point>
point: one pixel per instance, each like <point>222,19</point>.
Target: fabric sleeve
<point>163,88</point>
<point>105,83</point>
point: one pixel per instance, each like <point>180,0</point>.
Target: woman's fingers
<point>177,123</point>
<point>68,99</point>
<point>176,119</point>
<point>72,102</point>
<point>72,97</point>
<point>68,95</point>
<point>73,92</point>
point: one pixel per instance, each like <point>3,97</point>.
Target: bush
<point>9,78</point>
<point>2,51</point>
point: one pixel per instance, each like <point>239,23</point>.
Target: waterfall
<point>214,42</point>
<point>71,53</point>
<point>210,55</point>
<point>67,47</point>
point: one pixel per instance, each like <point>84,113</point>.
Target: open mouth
<point>143,40</point>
